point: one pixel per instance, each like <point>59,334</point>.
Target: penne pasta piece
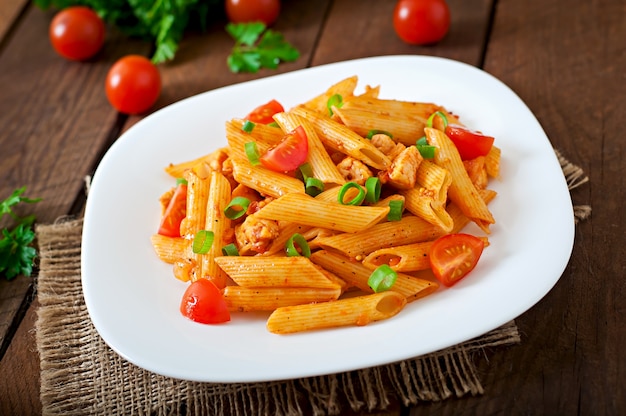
<point>344,140</point>
<point>410,229</point>
<point>219,224</point>
<point>356,274</point>
<point>359,311</point>
<point>344,88</point>
<point>287,230</point>
<point>492,162</point>
<point>168,249</point>
<point>461,190</point>
<point>246,299</point>
<point>321,164</point>
<point>405,258</point>
<point>459,219</point>
<point>303,209</point>
<point>264,181</point>
<point>256,271</point>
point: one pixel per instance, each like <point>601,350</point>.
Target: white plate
<point>133,298</point>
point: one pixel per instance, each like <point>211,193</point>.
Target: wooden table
<point>566,59</point>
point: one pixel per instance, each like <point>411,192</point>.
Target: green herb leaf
<point>257,47</point>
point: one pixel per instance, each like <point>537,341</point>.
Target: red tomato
<point>263,113</point>
<point>203,302</point>
<point>77,33</point>
<point>290,153</point>
<point>242,11</point>
<point>421,22</point>
<point>453,256</point>
<point>133,84</point>
<point>470,144</point>
<point>174,213</point>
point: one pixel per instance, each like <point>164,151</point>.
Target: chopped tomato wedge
<point>263,113</point>
<point>290,153</point>
<point>174,212</point>
<point>204,303</point>
<point>469,143</point>
<point>453,256</point>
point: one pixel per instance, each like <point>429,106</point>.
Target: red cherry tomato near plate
<point>174,213</point>
<point>453,256</point>
<point>421,22</point>
<point>133,84</point>
<point>77,33</point>
<point>242,11</point>
<point>204,303</point>
<point>469,143</point>
<point>290,153</point>
<point>263,113</point>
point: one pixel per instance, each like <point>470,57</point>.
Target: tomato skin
<point>290,153</point>
<point>243,11</point>
<point>470,144</point>
<point>263,113</point>
<point>421,22</point>
<point>77,33</point>
<point>133,84</point>
<point>453,256</point>
<point>174,213</point>
<point>203,302</point>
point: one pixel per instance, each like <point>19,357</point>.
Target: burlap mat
<point>81,375</point>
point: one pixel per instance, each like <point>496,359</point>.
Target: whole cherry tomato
<point>242,11</point>
<point>77,33</point>
<point>133,84</point>
<point>421,22</point>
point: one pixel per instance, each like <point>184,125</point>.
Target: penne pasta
<point>168,249</point>
<point>247,299</point>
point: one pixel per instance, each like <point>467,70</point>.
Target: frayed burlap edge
<point>81,375</point>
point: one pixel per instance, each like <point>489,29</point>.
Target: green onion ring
<point>334,101</point>
<point>421,141</point>
<point>181,181</point>
<point>305,171</point>
<point>427,151</point>
<point>313,186</point>
<point>253,153</point>
<point>231,212</point>
<point>357,200</point>
<point>230,250</point>
<point>248,126</point>
<point>371,133</point>
<point>373,188</point>
<point>273,124</point>
<point>382,278</point>
<point>202,242</point>
<point>395,210</point>
<point>300,241</point>
<point>429,123</point>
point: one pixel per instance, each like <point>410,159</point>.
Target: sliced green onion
<point>181,181</point>
<point>237,207</point>
<point>373,188</point>
<point>371,133</point>
<point>427,151</point>
<point>313,186</point>
<point>274,124</point>
<point>299,241</point>
<point>429,122</point>
<point>357,200</point>
<point>334,101</point>
<point>248,126</point>
<point>253,153</point>
<point>382,278</point>
<point>305,171</point>
<point>230,250</point>
<point>421,141</point>
<point>395,210</point>
<point>202,242</point>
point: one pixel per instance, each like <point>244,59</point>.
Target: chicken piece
<point>402,174</point>
<point>386,145</point>
<point>354,170</point>
<point>477,171</point>
<point>256,234</point>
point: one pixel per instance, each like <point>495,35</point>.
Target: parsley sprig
<point>257,47</point>
<point>16,252</point>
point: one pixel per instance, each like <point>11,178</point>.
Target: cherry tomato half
<point>470,144</point>
<point>421,22</point>
<point>203,302</point>
<point>174,213</point>
<point>77,33</point>
<point>133,84</point>
<point>242,11</point>
<point>263,113</point>
<point>290,153</point>
<point>453,256</point>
